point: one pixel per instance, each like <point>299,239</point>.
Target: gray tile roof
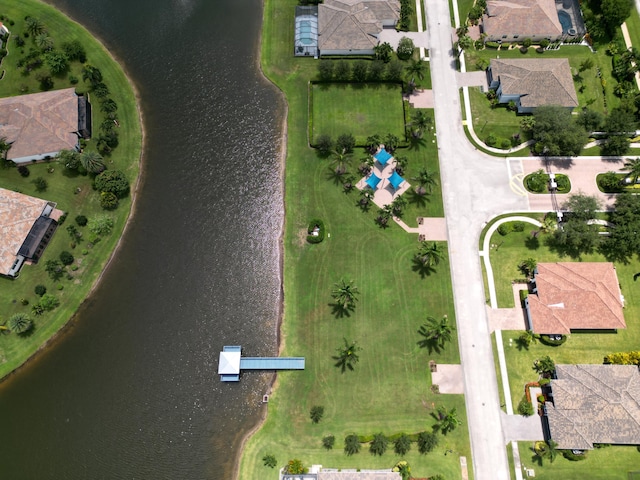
<point>595,404</point>
<point>39,123</point>
<point>540,81</point>
<point>353,24</point>
<point>522,17</point>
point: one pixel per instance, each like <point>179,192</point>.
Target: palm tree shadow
<point>431,346</point>
<point>422,269</point>
<point>334,176</point>
<point>340,311</point>
<point>419,200</point>
<point>416,143</point>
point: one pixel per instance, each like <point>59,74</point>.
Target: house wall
<point>347,52</point>
<point>36,158</point>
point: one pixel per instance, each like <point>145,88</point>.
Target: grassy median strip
<point>72,192</point>
<point>389,391</point>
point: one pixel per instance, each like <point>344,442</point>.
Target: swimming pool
<point>565,21</point>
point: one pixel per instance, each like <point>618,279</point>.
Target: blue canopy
<point>383,156</point>
<point>373,181</point>
<point>395,180</point>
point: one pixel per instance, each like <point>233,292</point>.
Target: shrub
<point>113,181</point>
<point>328,442</point>
<point>574,457</point>
<point>324,144</point>
<point>491,140</point>
<point>536,182</point>
<point>541,398</point>
<point>49,302</point>
<point>81,220</point>
<point>108,200</point>
<point>402,444</point>
<point>544,381</point>
<point>319,233</point>
<point>351,444</point>
<point>66,258</point>
<point>40,290</point>
<point>316,413</point>
<point>427,441</point>
<point>518,226</point>
<point>523,295</point>
<point>505,144</point>
<point>85,251</point>
<point>544,43</point>
<point>547,340</point>
<point>525,408</point>
<point>269,461</point>
<point>504,229</point>
<point>295,467</point>
<point>609,182</point>
<point>524,50</point>
<point>405,48</point>
<point>564,185</point>
<point>379,444</point>
<point>526,42</point>
<point>74,267</point>
<point>23,171</point>
<point>100,225</point>
<point>494,45</point>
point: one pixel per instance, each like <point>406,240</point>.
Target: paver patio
<point>448,378</point>
<point>421,99</point>
<point>384,194</point>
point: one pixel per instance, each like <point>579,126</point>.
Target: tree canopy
<point>624,239</point>
<point>556,132</point>
<point>575,235</point>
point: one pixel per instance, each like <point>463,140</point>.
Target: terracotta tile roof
<point>574,296</point>
<point>540,81</point>
<point>595,404</point>
<point>18,213</point>
<point>522,17</point>
<point>353,24</point>
<point>40,122</point>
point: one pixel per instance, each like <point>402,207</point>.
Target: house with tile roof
<point>531,83</point>
<point>569,296</point>
<point>37,126</point>
<point>351,27</point>
<point>513,20</point>
<point>594,404</point>
<point>26,226</point>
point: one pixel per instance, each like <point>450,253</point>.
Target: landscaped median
<point>388,392</point>
<point>84,242</point>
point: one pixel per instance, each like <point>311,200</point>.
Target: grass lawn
<point>389,391</point>
<point>633,25</point>
<point>62,187</point>
<point>360,109</point>
<point>610,463</point>
<point>498,121</point>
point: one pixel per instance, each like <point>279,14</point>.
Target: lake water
<point>131,390</point>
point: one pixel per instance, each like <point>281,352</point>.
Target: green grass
<point>633,25</point>
<point>610,463</point>
<point>13,350</point>
<point>498,121</point>
<point>359,109</point>
<point>389,391</point>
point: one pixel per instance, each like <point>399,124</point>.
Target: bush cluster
<point>359,71</point>
<point>313,224</point>
<point>508,227</point>
<point>547,340</point>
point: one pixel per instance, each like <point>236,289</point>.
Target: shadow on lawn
<point>422,269</point>
<point>340,311</point>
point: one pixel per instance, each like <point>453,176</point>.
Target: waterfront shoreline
<point>66,325</point>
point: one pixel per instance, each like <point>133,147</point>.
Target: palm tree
<point>341,159</point>
<point>20,323</point>
<point>426,181</point>
<point>548,224</point>
<point>345,294</point>
<point>436,333</point>
<point>33,26</point>
<point>384,214</point>
<point>429,254</point>
<point>447,420</point>
<point>398,205</point>
<point>525,339</point>
<point>416,69</point>
<point>528,266</point>
<point>91,74</point>
<point>544,366</point>
<point>347,356</point>
<point>420,121</point>
<point>366,196</point>
<point>379,444</point>
<point>633,167</point>
<point>391,142</point>
<point>402,444</point>
<point>401,164</point>
<point>92,162</point>
<point>544,450</point>
<point>43,41</point>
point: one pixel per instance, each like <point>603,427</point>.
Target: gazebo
<point>373,181</point>
<point>396,180</point>
<point>383,157</point>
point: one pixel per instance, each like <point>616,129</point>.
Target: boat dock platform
<point>232,363</point>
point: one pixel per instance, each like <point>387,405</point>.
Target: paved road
<point>475,189</point>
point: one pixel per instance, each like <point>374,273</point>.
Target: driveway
<point>517,427</point>
<point>389,35</point>
<point>473,79</point>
